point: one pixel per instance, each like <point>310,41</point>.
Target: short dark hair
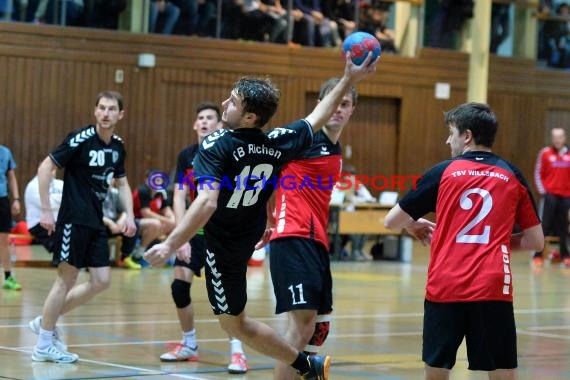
<point>209,106</point>
<point>110,95</point>
<point>329,85</point>
<point>259,96</point>
<point>476,117</point>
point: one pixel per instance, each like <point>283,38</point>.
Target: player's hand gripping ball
<point>359,44</point>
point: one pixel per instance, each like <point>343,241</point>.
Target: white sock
<point>189,338</point>
<point>45,339</point>
<point>235,346</point>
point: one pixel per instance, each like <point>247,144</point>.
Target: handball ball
<point>359,44</point>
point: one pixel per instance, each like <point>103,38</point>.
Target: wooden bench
<point>366,219</point>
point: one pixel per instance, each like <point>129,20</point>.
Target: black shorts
<point>41,236</point>
<point>301,275</point>
<point>226,271</point>
<point>5,215</point>
<point>489,329</point>
<point>197,257</point>
<point>81,246</point>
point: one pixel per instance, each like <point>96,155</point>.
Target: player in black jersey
<point>92,157</point>
<point>208,120</point>
<point>235,173</point>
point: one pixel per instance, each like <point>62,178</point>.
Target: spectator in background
<point>153,203</point>
<point>319,28</point>
<point>164,13</point>
<point>499,25</point>
<point>34,209</point>
<point>206,25</point>
<point>557,39</point>
<point>552,180</point>
<point>449,21</point>
<point>188,18</point>
<point>263,20</point>
<point>8,209</point>
<point>114,218</point>
<point>104,13</point>
<point>341,12</point>
<point>375,21</point>
<point>74,12</point>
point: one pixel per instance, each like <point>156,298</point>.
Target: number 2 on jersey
<point>467,204</point>
<point>246,194</point>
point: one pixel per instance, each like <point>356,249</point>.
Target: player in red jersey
<point>478,199</point>
<point>552,179</point>
<point>299,259</point>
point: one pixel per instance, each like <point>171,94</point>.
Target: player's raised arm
<point>352,74</point>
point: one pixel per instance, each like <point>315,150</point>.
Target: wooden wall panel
<point>49,77</point>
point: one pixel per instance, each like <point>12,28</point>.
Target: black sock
<point>301,364</point>
<point>7,274</point>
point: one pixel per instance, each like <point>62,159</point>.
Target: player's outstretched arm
<point>352,75</point>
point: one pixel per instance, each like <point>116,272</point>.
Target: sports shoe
<point>130,263</point>
<point>52,354</point>
<point>238,364</point>
<point>35,325</point>
<point>12,284</point>
<point>537,261</point>
<point>319,368</point>
<point>554,257</point>
<point>181,353</point>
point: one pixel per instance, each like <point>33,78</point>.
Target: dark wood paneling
<point>49,77</point>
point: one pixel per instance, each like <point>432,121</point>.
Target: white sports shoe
<point>238,364</point>
<point>52,354</point>
<point>181,353</point>
<point>35,325</point>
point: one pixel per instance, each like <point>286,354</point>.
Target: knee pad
<point>320,334</point>
<point>181,293</point>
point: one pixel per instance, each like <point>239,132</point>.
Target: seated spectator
<point>319,28</point>
<point>342,13</point>
<point>164,13</point>
<point>105,13</point>
<point>153,204</point>
<point>374,21</point>
<point>557,36</point>
<point>114,217</point>
<point>207,13</point>
<point>499,25</point>
<point>74,12</point>
<point>264,19</point>
<point>448,22</point>
<point>188,18</point>
<point>34,209</point>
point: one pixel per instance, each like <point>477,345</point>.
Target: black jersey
<point>246,163</point>
<point>90,165</point>
<point>185,168</point>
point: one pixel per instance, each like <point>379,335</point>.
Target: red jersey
<point>304,192</point>
<point>142,198</point>
<point>478,198</point>
<point>552,171</point>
